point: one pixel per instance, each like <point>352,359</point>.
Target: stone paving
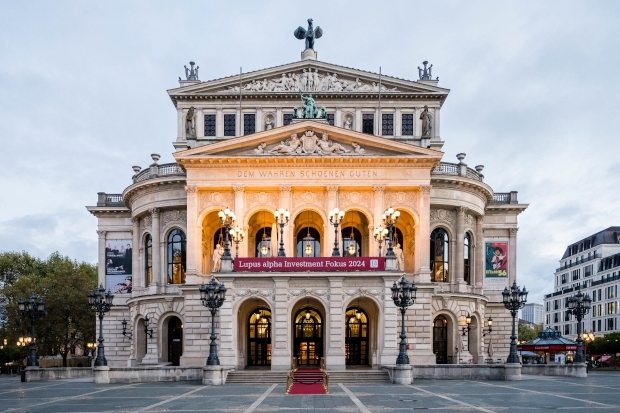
<point>599,392</point>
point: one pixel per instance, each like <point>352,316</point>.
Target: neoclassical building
<point>239,146</point>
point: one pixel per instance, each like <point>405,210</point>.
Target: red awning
<point>551,347</point>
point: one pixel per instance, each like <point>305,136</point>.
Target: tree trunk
<point>64,358</point>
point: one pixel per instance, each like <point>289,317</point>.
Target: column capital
<point>285,188</point>
<point>461,210</point>
<point>135,220</point>
<point>425,189</point>
<point>154,212</point>
<point>101,234</point>
<point>398,107</point>
<point>191,189</point>
<point>480,220</point>
<point>513,232</point>
<point>259,108</point>
<point>238,189</point>
<point>378,188</point>
<point>332,189</point>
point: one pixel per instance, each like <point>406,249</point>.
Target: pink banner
<point>314,264</point>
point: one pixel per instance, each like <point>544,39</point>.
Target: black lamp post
<point>403,295</point>
<point>335,217</point>
<point>380,234</point>
<point>32,309</point>
<point>282,216</point>
<point>514,299</point>
<point>467,328</point>
<point>579,305</point>
<point>100,302</point>
<point>227,217</point>
<point>213,296</point>
<point>237,235</point>
<point>389,217</point>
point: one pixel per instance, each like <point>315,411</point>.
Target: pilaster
<point>137,279</point>
<point>425,234</point>
<point>358,119</point>
<point>200,123</point>
<point>281,352</point>
<point>259,119</point>
<point>379,193</point>
<point>194,236</point>
<point>101,255</point>
<point>398,123</point>
<point>512,260</point>
<point>460,248</point>
<point>279,118</point>
<point>332,202</point>
<point>156,240</point>
<point>335,357</point>
<point>219,122</point>
<point>240,214</point>
<point>286,202</point>
<point>479,254</point>
<point>338,117</point>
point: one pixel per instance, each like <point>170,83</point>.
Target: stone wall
<point>57,373</point>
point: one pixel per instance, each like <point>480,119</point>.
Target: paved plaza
<point>534,394</point>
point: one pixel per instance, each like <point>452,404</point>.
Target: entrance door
<point>308,337</point>
<point>259,338</point>
<point>175,341</point>
<point>356,340</point>
<point>440,340</point>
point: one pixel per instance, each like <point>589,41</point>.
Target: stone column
<point>226,348</point>
<point>240,214</point>
<point>377,212</point>
<point>479,254</point>
<point>335,357</point>
<point>460,249</point>
<point>219,122</point>
<point>417,124</point>
<point>180,125</point>
<point>332,202</point>
<point>358,120</point>
<point>389,331</point>
<point>279,119</point>
<point>200,123</point>
<point>512,259</point>
<point>398,123</point>
<point>101,256</point>
<point>239,122</point>
<point>338,117</point>
<point>282,331</point>
<point>259,119</point>
<point>137,276</point>
<point>287,203</point>
<point>158,279</point>
<point>424,233</point>
<point>194,237</point>
<point>435,132</point>
<point>377,122</point>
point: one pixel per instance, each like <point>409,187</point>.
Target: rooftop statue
<point>191,74</point>
<point>425,74</point>
<point>309,34</point>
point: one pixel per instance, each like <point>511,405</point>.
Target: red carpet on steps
<point>307,381</point>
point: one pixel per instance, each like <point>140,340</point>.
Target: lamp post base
<point>390,263</point>
<point>226,264</point>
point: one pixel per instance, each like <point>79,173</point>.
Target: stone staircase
<point>341,376</point>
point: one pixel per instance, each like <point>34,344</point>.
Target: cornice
<point>463,184</point>
<point>307,161</point>
<point>133,189</point>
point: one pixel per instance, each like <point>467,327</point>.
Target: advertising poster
<point>118,266</point>
<point>496,265</point>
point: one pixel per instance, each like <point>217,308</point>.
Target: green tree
<point>527,333</point>
<point>611,345</point>
<point>64,285</point>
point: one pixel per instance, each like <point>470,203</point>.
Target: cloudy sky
<point>534,97</point>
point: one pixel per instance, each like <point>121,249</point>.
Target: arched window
<point>263,242</point>
<point>351,242</point>
<point>148,260</point>
<point>467,258</point>
<point>308,243</point>
<point>439,250</point>
<point>176,257</point>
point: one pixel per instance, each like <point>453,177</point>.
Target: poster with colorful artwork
<point>118,265</point>
<point>496,265</point>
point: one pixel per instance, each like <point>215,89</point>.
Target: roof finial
<point>191,74</point>
<point>425,74</point>
<point>309,35</point>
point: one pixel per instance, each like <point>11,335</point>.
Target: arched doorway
<point>440,340</point>
<point>356,337</point>
<point>308,337</point>
<point>259,337</point>
<point>351,242</point>
<point>308,243</point>
<point>175,340</point>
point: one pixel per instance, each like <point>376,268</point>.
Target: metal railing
<point>104,199</point>
<point>455,169</point>
<point>505,198</point>
<point>578,261</point>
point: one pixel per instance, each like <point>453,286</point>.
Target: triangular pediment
<point>308,141</point>
<point>325,78</point>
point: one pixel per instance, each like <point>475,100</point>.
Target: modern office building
<point>592,265</point>
<point>533,313</point>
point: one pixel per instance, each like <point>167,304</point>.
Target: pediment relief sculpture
<point>310,81</point>
<point>308,144</point>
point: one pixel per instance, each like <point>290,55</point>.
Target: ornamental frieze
<point>308,198</point>
<point>401,198</point>
<point>470,221</point>
<point>308,292</point>
<point>363,292</point>
<point>178,215</point>
<point>309,144</point>
<point>221,199</point>
<point>146,222</point>
<point>442,215</point>
<point>267,294</point>
<point>309,81</point>
<point>269,199</point>
<point>346,199</point>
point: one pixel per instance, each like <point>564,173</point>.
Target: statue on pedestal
<point>426,118</point>
<point>217,258</point>
<point>309,109</point>
<point>309,35</point>
<point>190,129</point>
<point>191,74</point>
